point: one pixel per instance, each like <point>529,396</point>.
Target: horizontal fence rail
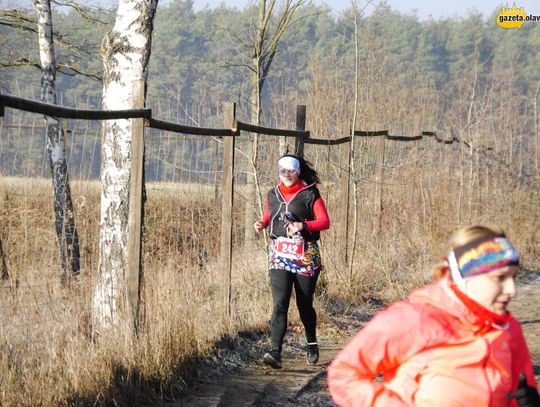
<point>328,142</point>
<point>374,133</point>
<point>272,131</point>
<point>198,131</point>
<point>304,135</point>
<point>67,112</point>
<point>385,134</point>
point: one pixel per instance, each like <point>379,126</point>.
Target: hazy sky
<point>424,8</point>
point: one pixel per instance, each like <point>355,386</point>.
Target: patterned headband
<point>481,256</point>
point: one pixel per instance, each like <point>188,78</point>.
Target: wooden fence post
<point>134,270</point>
<point>344,190</point>
<point>4,274</point>
<point>379,179</point>
<point>229,122</point>
<point>300,125</point>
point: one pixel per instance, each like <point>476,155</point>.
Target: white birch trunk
<point>63,205</point>
<point>126,52</point>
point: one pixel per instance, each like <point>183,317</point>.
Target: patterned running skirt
<point>308,265</point>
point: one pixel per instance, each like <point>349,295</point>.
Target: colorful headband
<point>481,256</point>
<point>289,163</point>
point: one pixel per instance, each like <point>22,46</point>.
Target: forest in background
<point>414,75</point>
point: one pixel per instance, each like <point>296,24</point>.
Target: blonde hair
<point>460,238</point>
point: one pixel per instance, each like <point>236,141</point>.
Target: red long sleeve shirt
<point>321,221</point>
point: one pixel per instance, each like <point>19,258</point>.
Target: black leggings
<point>282,282</point>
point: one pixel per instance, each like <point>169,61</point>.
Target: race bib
<point>289,248</point>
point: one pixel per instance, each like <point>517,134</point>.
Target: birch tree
<point>126,52</point>
<point>64,219</point>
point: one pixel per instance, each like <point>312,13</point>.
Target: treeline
<point>453,75</point>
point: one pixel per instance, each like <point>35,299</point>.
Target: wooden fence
<point>232,129</point>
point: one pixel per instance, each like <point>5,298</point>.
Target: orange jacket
<point>430,351</point>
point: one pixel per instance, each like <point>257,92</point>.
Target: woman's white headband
<point>289,163</point>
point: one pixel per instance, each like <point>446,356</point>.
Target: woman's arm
<point>263,223</point>
<point>521,357</point>
<point>380,347</point>
<point>321,221</point>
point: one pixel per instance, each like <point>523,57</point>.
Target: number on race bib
<point>290,248</point>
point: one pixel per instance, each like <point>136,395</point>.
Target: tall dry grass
<point>48,356</point>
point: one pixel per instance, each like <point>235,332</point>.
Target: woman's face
<point>495,289</point>
<point>288,177</point>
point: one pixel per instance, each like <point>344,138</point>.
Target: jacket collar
<point>443,296</point>
<point>294,191</point>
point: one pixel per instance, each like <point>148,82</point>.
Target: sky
<point>424,8</point>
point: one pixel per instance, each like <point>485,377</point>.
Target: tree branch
<point>81,10</point>
<point>231,65</point>
<point>63,68</point>
<point>76,71</point>
<point>18,16</point>
<point>18,20</point>
<point>284,22</point>
<point>21,62</point>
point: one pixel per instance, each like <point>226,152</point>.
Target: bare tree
<point>264,46</point>
<point>357,12</point>
<point>64,219</point>
<point>126,53</point>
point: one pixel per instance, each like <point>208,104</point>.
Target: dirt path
<point>300,384</point>
<point>262,386</point>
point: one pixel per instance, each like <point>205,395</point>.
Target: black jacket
<point>300,208</point>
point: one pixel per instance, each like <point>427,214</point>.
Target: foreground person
<point>453,343</point>
<point>295,214</point>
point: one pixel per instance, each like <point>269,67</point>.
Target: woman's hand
<point>258,226</point>
<point>295,227</point>
<point>525,395</point>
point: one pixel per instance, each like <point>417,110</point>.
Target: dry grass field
<point>48,356</point>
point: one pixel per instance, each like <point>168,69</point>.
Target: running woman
<point>295,215</point>
<point>453,343</point>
